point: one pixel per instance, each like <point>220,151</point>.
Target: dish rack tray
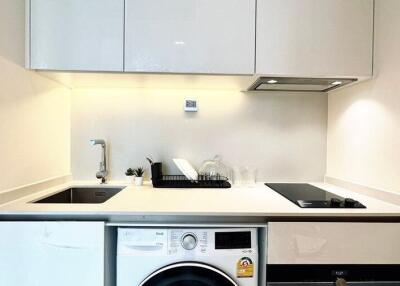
<point>180,181</point>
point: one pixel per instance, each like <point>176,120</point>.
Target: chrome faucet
<point>102,173</point>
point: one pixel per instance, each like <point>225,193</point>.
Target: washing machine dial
<point>189,241</point>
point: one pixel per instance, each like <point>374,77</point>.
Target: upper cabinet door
<point>77,35</point>
<point>190,36</point>
<point>314,37</point>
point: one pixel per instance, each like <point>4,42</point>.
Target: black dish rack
<point>180,181</point>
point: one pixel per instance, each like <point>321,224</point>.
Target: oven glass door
<point>188,274</point>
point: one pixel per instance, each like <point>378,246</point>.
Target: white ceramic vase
<point>138,181</point>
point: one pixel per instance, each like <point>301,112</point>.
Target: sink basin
<point>95,195</point>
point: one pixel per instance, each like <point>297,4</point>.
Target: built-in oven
<point>331,275</point>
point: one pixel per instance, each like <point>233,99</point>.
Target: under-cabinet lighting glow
<point>336,82</point>
<point>272,81</point>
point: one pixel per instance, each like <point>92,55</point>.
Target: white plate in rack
<point>187,169</point>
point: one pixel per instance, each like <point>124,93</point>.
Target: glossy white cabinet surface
<point>314,37</point>
<point>52,253</point>
<point>77,35</point>
<point>190,36</point>
<point>333,243</point>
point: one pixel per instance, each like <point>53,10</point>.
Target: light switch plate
<point>191,105</point>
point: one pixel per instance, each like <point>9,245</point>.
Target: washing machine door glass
<point>188,274</point>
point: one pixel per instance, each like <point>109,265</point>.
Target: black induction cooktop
<point>308,196</point>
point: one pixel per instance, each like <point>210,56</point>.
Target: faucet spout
<point>102,173</point>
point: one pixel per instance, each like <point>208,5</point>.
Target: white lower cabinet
<point>52,253</point>
<point>333,243</point>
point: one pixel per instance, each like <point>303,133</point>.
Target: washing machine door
<point>188,274</point>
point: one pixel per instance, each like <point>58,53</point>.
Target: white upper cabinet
<point>314,37</point>
<point>190,36</point>
<point>79,35</point>
<point>305,38</point>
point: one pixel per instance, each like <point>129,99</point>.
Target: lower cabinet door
<point>52,253</point>
<point>333,243</point>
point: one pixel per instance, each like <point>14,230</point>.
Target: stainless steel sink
<point>95,195</point>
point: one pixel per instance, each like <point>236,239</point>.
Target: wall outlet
<point>190,105</point>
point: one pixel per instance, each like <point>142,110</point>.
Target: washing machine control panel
<point>188,240</point>
<point>209,242</point>
<point>187,243</point>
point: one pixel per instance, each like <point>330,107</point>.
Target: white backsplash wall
<point>364,120</point>
<point>283,135</point>
<point>34,111</point>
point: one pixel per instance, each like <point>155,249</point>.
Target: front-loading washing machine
<point>187,257</point>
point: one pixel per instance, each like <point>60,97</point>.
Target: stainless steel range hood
<point>299,84</point>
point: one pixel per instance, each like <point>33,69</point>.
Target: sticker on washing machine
<point>244,268</point>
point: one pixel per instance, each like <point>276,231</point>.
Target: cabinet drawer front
<point>333,243</point>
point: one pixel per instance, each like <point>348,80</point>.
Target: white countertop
<point>257,201</point>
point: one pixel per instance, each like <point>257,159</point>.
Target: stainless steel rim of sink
<point>81,195</point>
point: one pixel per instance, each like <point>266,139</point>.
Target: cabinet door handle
<point>63,246</point>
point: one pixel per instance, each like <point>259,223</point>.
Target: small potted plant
<point>138,172</point>
<point>129,174</point>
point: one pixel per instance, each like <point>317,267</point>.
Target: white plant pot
<point>138,181</point>
<point>130,179</point>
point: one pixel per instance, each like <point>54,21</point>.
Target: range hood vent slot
<point>299,84</point>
